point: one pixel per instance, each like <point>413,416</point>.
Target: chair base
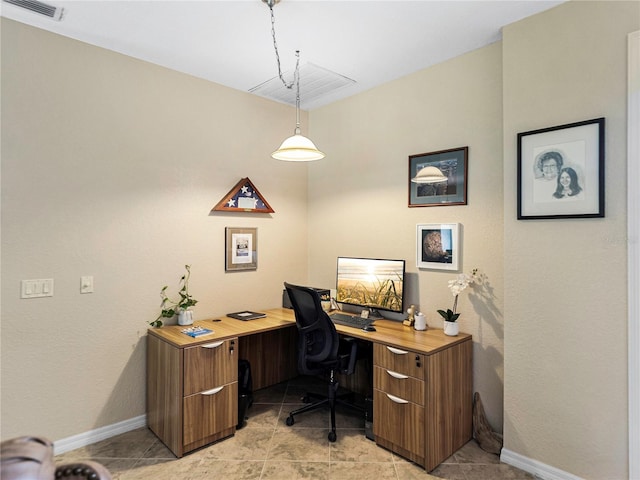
<point>331,401</point>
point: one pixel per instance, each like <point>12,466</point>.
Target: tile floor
<point>267,449</point>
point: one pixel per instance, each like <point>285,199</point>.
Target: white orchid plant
<point>456,286</point>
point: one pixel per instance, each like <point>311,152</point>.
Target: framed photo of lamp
<point>438,178</point>
<point>561,171</point>
<point>241,249</point>
<point>438,246</point>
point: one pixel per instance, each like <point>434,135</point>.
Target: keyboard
<point>349,320</point>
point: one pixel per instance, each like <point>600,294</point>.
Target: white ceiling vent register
<point>42,8</point>
<point>315,82</point>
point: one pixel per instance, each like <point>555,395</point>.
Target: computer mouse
<point>369,328</point>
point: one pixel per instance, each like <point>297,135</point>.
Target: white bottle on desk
<point>420,322</point>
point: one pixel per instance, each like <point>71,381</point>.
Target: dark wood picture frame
<point>453,163</point>
<point>561,171</point>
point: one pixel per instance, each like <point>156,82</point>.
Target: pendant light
<point>296,148</point>
<point>429,175</point>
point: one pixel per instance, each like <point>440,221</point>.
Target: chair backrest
<point>318,340</point>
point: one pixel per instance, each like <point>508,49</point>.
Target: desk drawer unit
<point>210,405</point>
<point>398,400</point>
<point>192,392</point>
<point>422,402</point>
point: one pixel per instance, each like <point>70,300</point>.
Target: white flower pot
<point>185,317</point>
<point>451,328</point>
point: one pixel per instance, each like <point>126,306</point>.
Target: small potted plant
<point>179,307</point>
<point>456,286</point>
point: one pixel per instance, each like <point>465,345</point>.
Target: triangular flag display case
<point>244,197</point>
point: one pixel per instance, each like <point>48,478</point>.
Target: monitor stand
<point>373,314</point>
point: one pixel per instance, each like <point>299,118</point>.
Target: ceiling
<point>346,47</point>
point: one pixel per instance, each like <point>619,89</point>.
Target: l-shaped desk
<point>422,382</point>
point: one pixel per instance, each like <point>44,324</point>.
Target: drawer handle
<point>397,375</point>
<point>213,391</point>
<point>213,345</point>
<point>397,351</point>
<point>396,399</point>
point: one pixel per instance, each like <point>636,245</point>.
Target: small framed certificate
<point>241,245</point>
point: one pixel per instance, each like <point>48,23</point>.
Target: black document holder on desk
<point>246,315</point>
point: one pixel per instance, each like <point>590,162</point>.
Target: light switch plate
<point>42,287</point>
<point>86,284</point>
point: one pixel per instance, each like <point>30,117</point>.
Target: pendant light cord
<point>275,47</point>
<point>296,73</point>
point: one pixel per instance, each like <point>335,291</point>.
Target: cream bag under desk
<point>422,382</point>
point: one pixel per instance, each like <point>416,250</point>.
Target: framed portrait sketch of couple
<point>561,171</point>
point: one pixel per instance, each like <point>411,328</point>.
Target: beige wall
<point>110,167</point>
<point>565,280</point>
<point>360,192</point>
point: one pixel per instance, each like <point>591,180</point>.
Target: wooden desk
<point>422,382</point>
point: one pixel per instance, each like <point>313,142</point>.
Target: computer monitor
<point>371,283</point>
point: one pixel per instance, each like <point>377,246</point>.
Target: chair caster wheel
<point>305,399</point>
<point>332,437</point>
<point>290,421</point>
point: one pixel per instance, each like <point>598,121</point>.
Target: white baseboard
<point>534,467</point>
<point>102,433</point>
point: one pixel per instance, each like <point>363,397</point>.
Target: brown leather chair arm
<point>27,458</point>
<point>31,458</point>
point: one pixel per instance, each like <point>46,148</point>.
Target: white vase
<point>451,328</point>
<point>185,317</point>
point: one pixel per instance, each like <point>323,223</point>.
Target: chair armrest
<point>31,458</point>
<point>27,457</point>
<point>347,355</point>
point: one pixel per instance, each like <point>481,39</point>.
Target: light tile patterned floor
<point>267,449</point>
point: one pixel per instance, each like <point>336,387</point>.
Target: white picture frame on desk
<point>438,246</point>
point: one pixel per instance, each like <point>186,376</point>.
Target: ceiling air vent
<point>315,82</point>
<point>41,8</point>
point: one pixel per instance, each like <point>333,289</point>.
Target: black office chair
<point>320,351</point>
